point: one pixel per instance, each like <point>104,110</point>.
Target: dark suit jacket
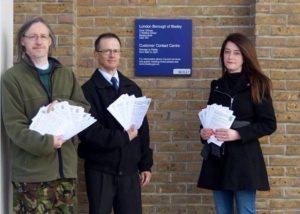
<point>105,145</point>
<point>241,166</point>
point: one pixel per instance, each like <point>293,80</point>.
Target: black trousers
<point>106,191</point>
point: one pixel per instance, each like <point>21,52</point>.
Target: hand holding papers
<point>129,110</point>
<point>216,116</point>
<point>64,119</point>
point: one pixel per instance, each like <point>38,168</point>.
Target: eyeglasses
<point>109,51</point>
<point>35,37</point>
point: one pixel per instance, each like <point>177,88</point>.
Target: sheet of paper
<point>65,119</point>
<point>129,110</point>
<point>216,116</point>
<point>140,109</point>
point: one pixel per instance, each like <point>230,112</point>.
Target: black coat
<point>241,165</point>
<point>105,145</point>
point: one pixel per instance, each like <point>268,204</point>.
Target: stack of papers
<point>216,116</point>
<point>130,110</point>
<point>64,119</point>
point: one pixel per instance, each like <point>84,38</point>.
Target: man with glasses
<point>44,167</point>
<point>117,161</point>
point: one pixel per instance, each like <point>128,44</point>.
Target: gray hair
<point>20,48</point>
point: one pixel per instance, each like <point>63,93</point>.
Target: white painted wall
<point>6,61</point>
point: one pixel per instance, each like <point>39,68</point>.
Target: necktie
<point>115,83</point>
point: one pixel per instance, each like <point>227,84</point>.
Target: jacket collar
<point>223,85</point>
<point>101,82</point>
<point>28,62</point>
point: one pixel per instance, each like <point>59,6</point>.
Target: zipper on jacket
<point>59,154</point>
<point>60,163</point>
<point>228,95</point>
<point>230,107</point>
<point>231,98</point>
<point>231,101</point>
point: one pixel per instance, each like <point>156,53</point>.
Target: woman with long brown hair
<point>236,169</point>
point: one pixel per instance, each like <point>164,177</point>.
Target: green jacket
<point>33,157</point>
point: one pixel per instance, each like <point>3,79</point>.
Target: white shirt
<point>108,77</point>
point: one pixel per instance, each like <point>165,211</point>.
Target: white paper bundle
<point>129,110</point>
<point>216,116</point>
<point>64,119</point>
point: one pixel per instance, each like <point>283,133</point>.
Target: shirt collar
<point>108,77</point>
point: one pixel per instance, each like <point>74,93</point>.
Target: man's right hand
<point>51,106</point>
<point>58,141</point>
<point>132,132</point>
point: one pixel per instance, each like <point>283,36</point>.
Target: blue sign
<point>163,47</point>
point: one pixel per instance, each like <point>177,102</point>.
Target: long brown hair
<point>260,83</point>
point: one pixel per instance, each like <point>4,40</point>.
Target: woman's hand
<point>227,135</point>
<point>205,133</point>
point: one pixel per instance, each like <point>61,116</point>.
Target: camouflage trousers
<point>53,197</point>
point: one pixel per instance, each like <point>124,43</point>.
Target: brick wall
<point>176,101</point>
<point>277,33</point>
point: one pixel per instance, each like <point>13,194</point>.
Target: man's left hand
<point>145,178</point>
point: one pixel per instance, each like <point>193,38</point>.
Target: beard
<point>38,55</point>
